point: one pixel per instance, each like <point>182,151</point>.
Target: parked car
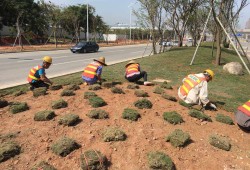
<point>83,47</point>
<point>165,43</point>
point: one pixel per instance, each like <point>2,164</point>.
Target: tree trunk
<point>218,42</point>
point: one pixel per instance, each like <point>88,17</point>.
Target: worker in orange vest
<point>133,73</point>
<point>92,73</point>
<point>242,116</point>
<point>37,76</point>
<point>194,89</point>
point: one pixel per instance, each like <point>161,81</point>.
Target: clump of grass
<point>8,149</point>
<point>19,93</point>
<point>185,104</point>
<point>130,114</point>
<point>143,103</point>
<point>95,87</point>
<point>117,90</point>
<point>8,136</point>
<point>178,138</point>
<point>44,115</point>
<point>107,84</point>
<point>168,97</point>
<point>73,87</point>
<point>43,166</point>
<point>133,86</point>
<point>67,92</point>
<point>92,159</point>
<point>220,142</point>
<point>59,104</point>
<point>165,85</point>
<point>224,119</point>
<point>17,107</point>
<point>98,114</point>
<point>55,87</point>
<point>68,120</point>
<point>159,160</point>
<point>64,146</point>
<point>173,117</point>
<point>41,91</point>
<point>199,115</point>
<point>141,93</point>
<point>97,102</point>
<point>158,90</point>
<point>3,103</point>
<point>113,134</point>
<point>88,95</point>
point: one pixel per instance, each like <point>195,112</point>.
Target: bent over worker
<point>242,116</point>
<point>37,76</point>
<point>92,73</point>
<point>194,89</point>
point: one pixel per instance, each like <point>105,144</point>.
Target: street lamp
<point>87,21</point>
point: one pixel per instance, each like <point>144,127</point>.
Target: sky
<point>118,11</point>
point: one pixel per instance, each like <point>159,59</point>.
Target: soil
<point>145,135</point>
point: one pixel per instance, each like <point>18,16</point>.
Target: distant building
<point>247,24</point>
<point>123,26</point>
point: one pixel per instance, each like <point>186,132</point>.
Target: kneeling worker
<point>242,116</point>
<point>194,89</point>
<point>37,76</point>
<point>92,73</point>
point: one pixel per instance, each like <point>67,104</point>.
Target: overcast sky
<point>114,11</point>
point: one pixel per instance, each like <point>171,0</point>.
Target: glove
<point>213,106</point>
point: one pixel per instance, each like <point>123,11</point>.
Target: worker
<point>133,73</point>
<point>242,116</point>
<point>92,73</point>
<point>37,76</point>
<point>194,89</point>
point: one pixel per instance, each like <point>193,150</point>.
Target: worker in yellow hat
<point>242,116</point>
<point>92,73</point>
<point>194,89</point>
<point>37,76</point>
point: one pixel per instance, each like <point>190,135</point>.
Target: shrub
<point>158,90</point>
<point>178,138</point>
<point>143,103</point>
<point>224,119</point>
<point>44,115</point>
<point>185,104</point>
<point>55,87</point>
<point>19,93</point>
<point>172,117</point>
<point>67,92</point>
<point>92,159</point>
<point>113,134</point>
<point>97,102</point>
<point>159,160</point>
<point>88,95</point>
<point>117,90</point>
<point>3,103</point>
<point>8,150</point>
<point>168,97</point>
<point>165,85</point>
<point>199,115</point>
<point>98,114</point>
<point>17,107</point>
<point>95,87</point>
<point>68,120</point>
<point>130,114</point>
<point>41,91</point>
<point>64,146</point>
<point>133,86</point>
<point>220,142</point>
<point>59,104</point>
<point>44,166</point>
<point>73,87</point>
<point>141,93</point>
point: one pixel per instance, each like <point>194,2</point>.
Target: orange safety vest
<point>90,70</point>
<point>32,73</point>
<point>132,68</point>
<point>245,108</point>
<point>189,83</point>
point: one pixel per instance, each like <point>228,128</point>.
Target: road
<point>14,67</point>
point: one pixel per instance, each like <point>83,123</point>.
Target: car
<point>86,46</point>
<point>165,43</point>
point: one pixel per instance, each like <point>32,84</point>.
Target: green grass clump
<point>95,87</point>
<point>185,104</point>
<point>89,94</point>
<point>224,119</point>
<point>113,134</point>
<point>43,166</point>
<point>8,150</point>
<point>64,146</point>
<point>59,104</point>
<point>3,103</point>
<point>97,102</point>
<point>98,114</point>
<point>178,138</point>
<point>173,117</point>
<point>68,120</point>
<point>199,115</point>
<point>44,115</point>
<point>67,92</point>
<point>73,87</point>
<point>159,160</point>
<point>55,87</point>
<point>17,107</point>
<point>19,93</point>
<point>143,103</point>
<point>92,159</point>
<point>158,90</point>
<point>117,90</point>
<point>133,86</point>
<point>220,142</point>
<point>141,93</point>
<point>107,84</point>
<point>165,85</point>
<point>168,97</point>
<point>8,136</point>
<point>130,114</point>
<point>41,91</point>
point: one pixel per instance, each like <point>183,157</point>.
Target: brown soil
<point>145,135</point>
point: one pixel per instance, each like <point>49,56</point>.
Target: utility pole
<point>87,22</point>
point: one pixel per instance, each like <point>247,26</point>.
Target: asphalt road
<point>14,67</point>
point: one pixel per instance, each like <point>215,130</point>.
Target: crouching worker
<point>242,116</point>
<point>92,73</point>
<point>37,76</point>
<point>133,73</point>
<point>194,89</point>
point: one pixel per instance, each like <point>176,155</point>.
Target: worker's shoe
<point>147,83</point>
<point>85,83</point>
<point>31,88</point>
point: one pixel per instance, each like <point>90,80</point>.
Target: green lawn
<point>174,65</point>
